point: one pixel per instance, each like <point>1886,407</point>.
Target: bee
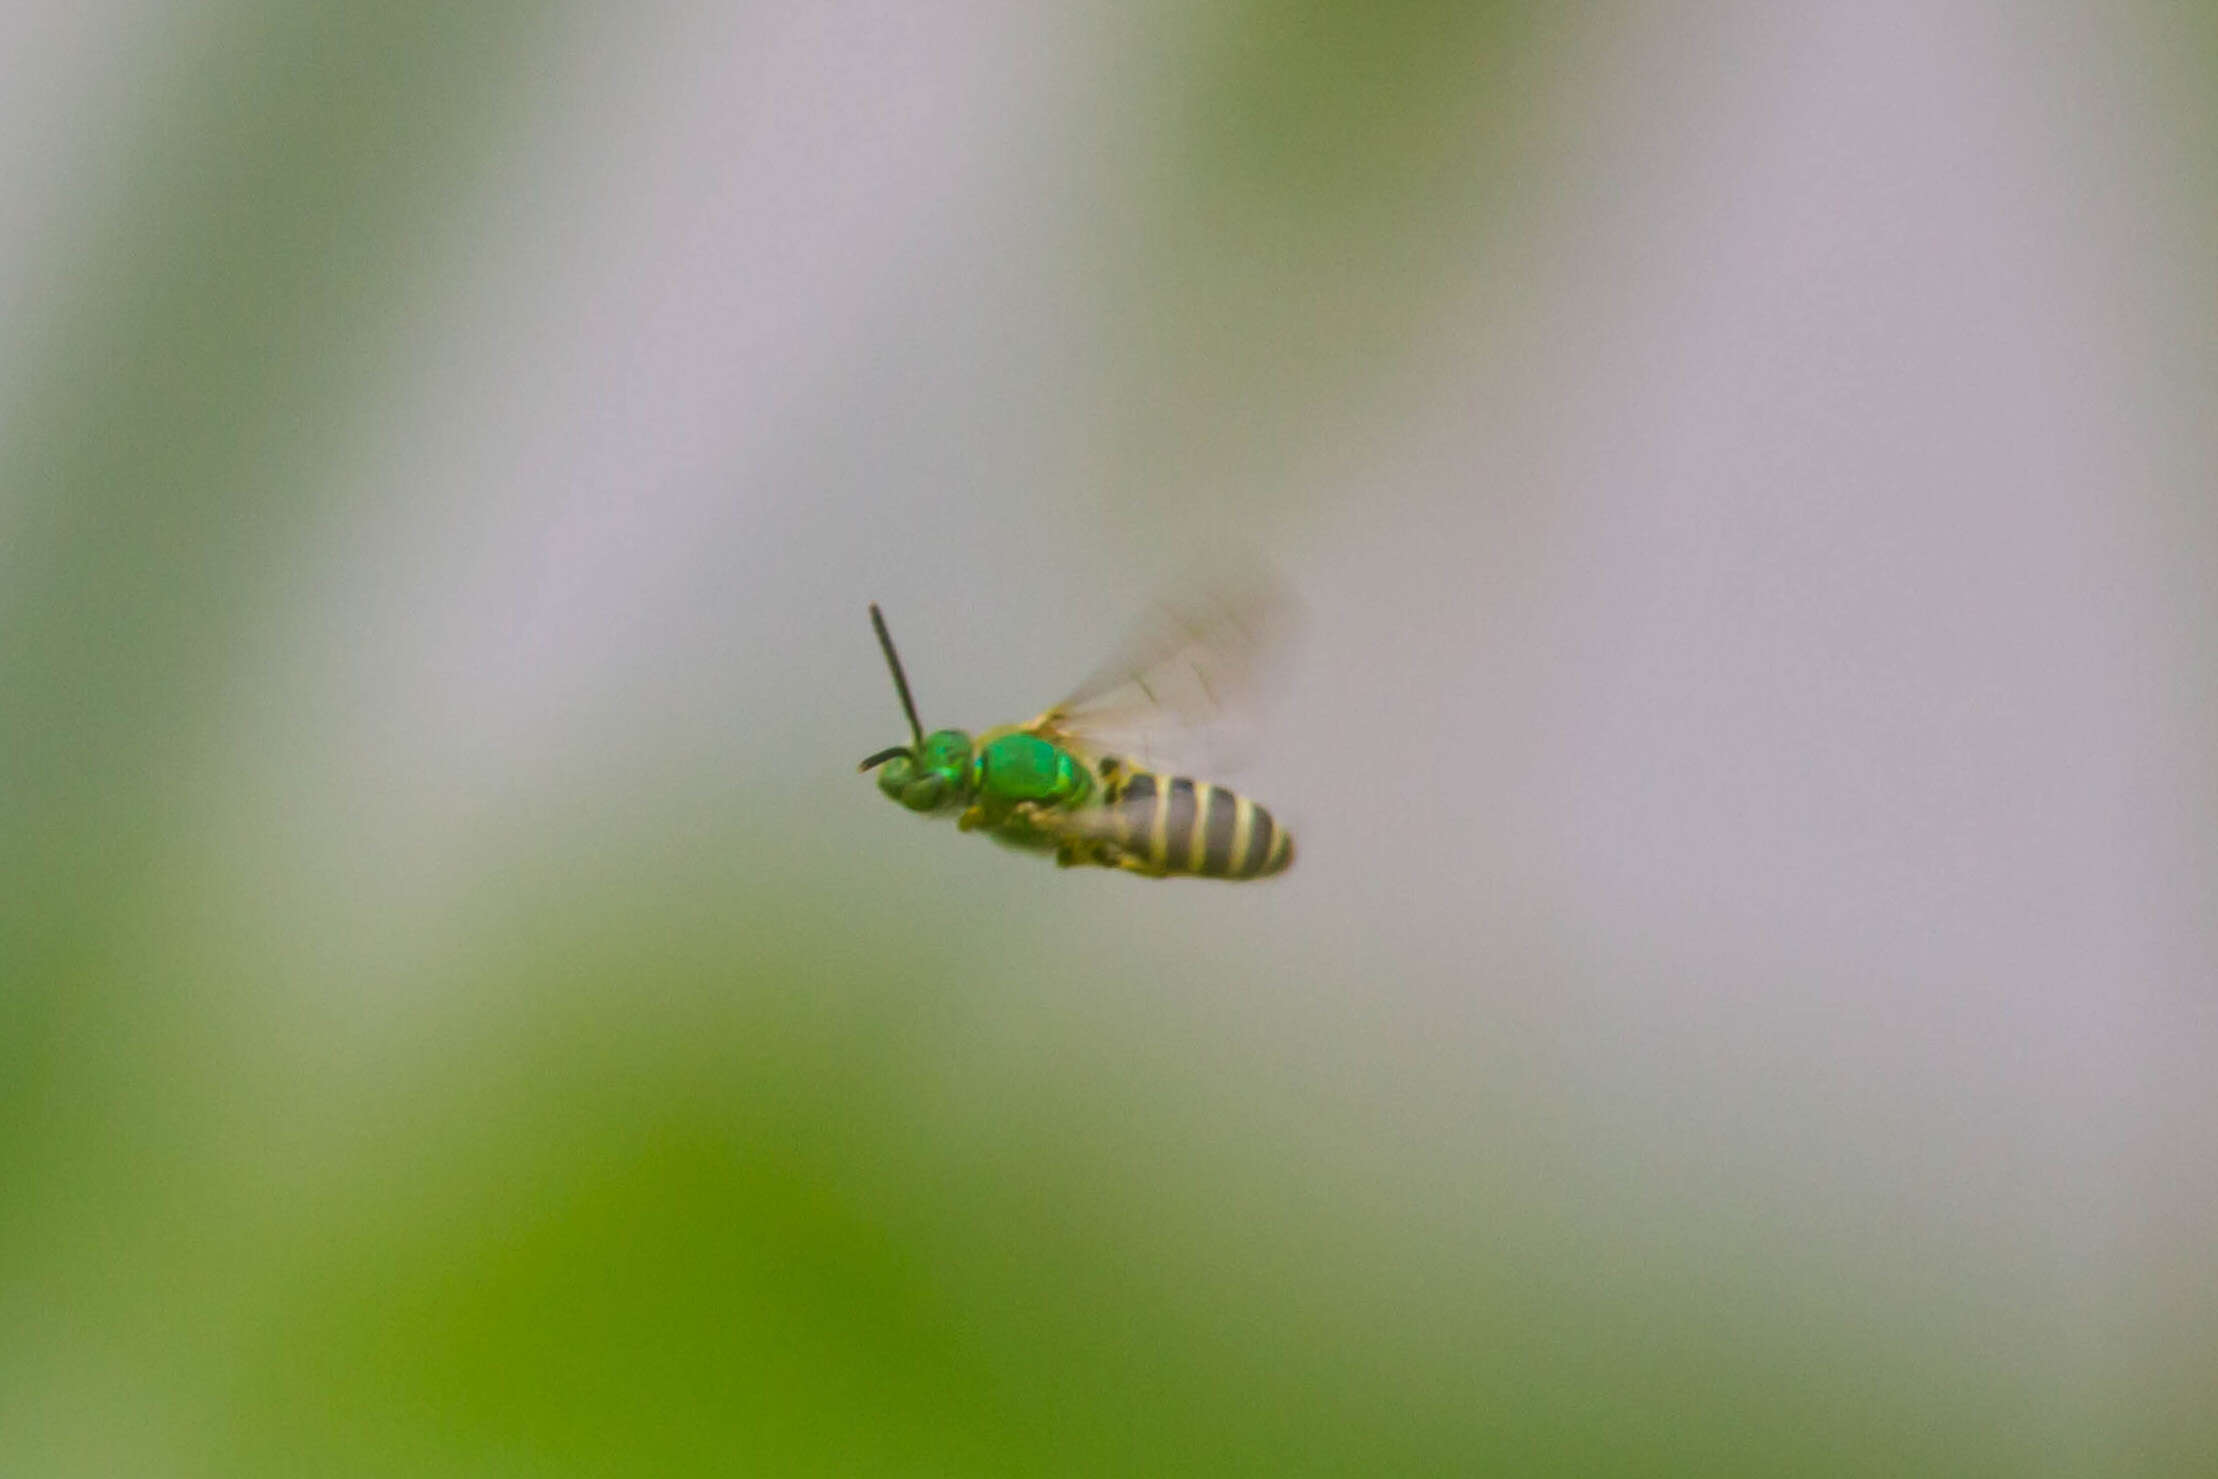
<point>1079,780</point>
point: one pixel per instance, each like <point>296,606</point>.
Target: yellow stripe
<point>1265,830</point>
<point>1243,825</point>
<point>1199,830</point>
<point>1159,847</point>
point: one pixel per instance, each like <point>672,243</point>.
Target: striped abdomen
<point>1169,824</point>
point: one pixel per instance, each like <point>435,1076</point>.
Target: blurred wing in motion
<point>1182,691</point>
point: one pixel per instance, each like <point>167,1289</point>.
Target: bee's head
<point>931,773</point>
<point>927,777</point>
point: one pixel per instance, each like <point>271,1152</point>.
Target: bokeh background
<point>1745,1004</point>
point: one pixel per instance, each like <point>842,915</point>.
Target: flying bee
<point>1080,779</point>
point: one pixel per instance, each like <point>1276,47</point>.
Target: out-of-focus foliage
<point>1316,180</point>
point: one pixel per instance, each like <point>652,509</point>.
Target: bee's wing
<point>1183,689</point>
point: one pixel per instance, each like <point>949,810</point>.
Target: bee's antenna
<point>883,756</point>
<point>901,686</point>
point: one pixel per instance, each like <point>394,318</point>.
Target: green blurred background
<point>1745,1004</point>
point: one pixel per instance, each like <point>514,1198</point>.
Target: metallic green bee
<point>1067,783</point>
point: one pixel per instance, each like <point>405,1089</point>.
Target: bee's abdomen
<point>1176,825</point>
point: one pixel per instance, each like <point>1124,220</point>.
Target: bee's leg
<point>1032,816</point>
<point>1134,863</point>
<point>1109,855</point>
<point>1069,851</point>
<point>971,818</point>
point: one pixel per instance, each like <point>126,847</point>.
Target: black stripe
<point>1260,836</point>
<point>1136,805</point>
<point>1216,831</point>
<point>1178,832</point>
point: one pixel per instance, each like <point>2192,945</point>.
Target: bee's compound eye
<point>924,793</point>
<point>944,749</point>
